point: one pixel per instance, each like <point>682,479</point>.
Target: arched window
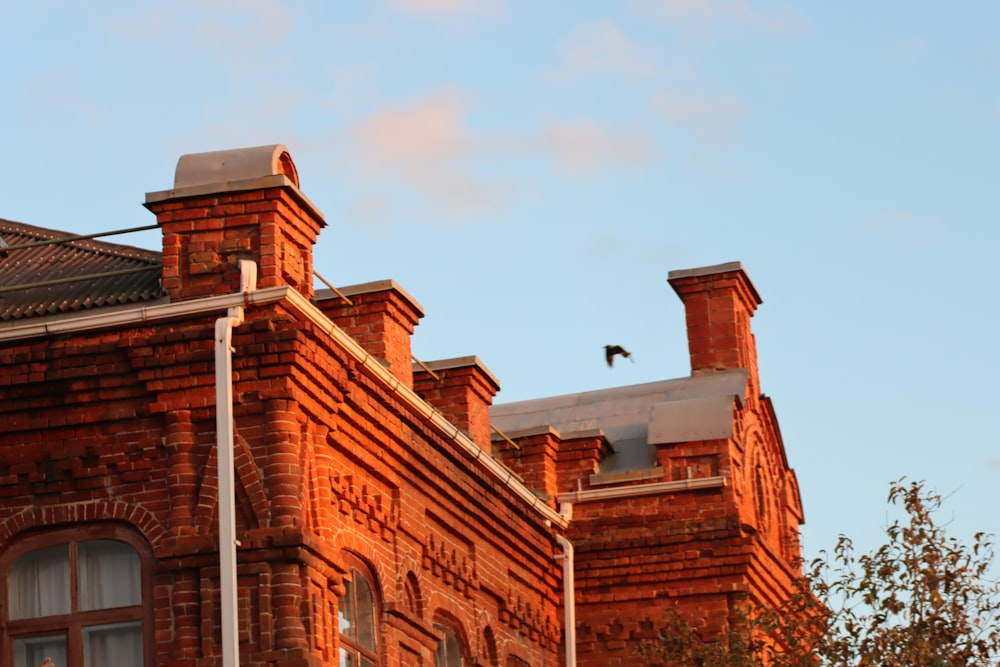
<point>357,624</point>
<point>76,597</point>
<point>449,651</point>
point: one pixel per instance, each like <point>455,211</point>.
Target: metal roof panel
<point>71,274</point>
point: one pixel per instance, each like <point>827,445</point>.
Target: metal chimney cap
<point>196,170</point>
<point>235,170</point>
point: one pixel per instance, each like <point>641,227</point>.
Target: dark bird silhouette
<point>611,350</point>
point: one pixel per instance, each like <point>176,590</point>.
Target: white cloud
<point>610,246</point>
<point>585,147</point>
<point>429,131</point>
<point>426,146</point>
<point>233,28</point>
<point>713,118</point>
<point>739,13</point>
<point>601,48</point>
<point>450,7</point>
<point>371,210</point>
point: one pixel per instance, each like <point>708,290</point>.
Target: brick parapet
<point>534,456</point>
<point>381,317</point>
<point>463,390</point>
<point>580,456</point>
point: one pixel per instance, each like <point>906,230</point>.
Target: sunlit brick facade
<point>386,514</point>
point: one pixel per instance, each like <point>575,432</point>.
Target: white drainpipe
<point>301,305</point>
<point>226,462</point>
<point>569,598</point>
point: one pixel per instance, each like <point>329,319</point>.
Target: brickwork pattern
<point>336,472</point>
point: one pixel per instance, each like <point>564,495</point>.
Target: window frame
<point>72,625</point>
<point>344,643</point>
<point>449,631</point>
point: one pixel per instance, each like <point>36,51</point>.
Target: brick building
<point>203,459</point>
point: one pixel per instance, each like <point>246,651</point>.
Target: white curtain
<point>108,575</point>
<point>115,645</point>
<point>39,583</point>
<point>32,652</point>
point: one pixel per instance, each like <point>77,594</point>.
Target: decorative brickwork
<point>352,462</point>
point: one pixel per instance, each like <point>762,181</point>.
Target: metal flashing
<point>688,420</point>
<point>372,287</point>
<point>459,362</point>
<point>626,414</point>
<point>728,267</point>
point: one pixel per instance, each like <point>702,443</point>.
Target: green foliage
<point>678,644</point>
<point>923,599</point>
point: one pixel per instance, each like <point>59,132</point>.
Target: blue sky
<point>531,172</point>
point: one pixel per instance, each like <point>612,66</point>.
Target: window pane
<point>448,653</point>
<point>39,583</point>
<point>347,658</point>
<point>346,617</point>
<point>366,614</point>
<point>356,612</point>
<point>33,651</point>
<point>108,574</point>
<point>115,645</point>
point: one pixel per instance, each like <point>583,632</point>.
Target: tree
<point>923,599</point>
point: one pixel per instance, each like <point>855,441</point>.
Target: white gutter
<point>419,405</point>
<point>134,316</point>
<point>226,462</point>
<point>642,489</point>
<point>284,293</point>
<point>569,598</point>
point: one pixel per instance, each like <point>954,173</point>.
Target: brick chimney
<point>718,302</point>
<point>463,390</point>
<point>230,205</point>
<point>381,317</point>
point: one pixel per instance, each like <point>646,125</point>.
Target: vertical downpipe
<point>226,460</point>
<point>569,598</point>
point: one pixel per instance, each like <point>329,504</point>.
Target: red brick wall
<point>332,468</point>
<point>205,236</point>
<point>381,317</point>
<point>462,389</point>
<point>335,470</point>
<point>120,427</point>
<point>718,306</point>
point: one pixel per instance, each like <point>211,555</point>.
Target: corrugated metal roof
<point>74,267</point>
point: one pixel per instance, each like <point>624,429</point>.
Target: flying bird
<point>611,350</point>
